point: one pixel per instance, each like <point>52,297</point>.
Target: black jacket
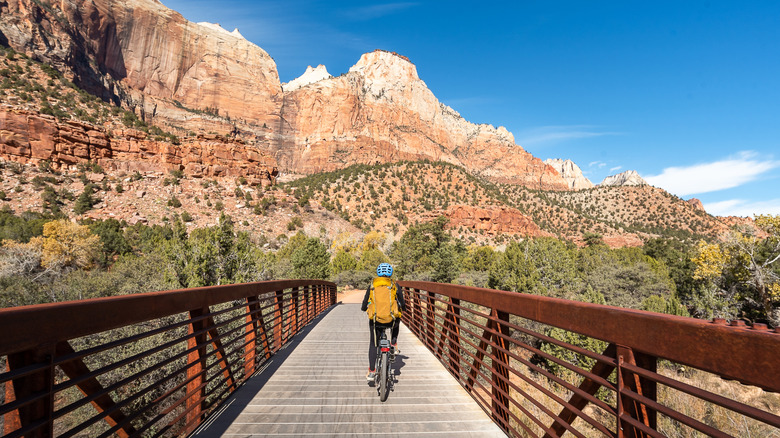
<point>398,297</point>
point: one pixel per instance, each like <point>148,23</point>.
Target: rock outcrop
<point>627,178</point>
<point>310,76</point>
<point>493,220</point>
<point>382,111</point>
<point>203,78</point>
<point>570,172</point>
<point>150,58</point>
<point>27,137</point>
<point>696,203</point>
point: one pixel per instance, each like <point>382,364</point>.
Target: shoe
<point>371,376</point>
<point>395,349</point>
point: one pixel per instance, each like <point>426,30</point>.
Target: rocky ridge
<point>185,76</point>
<point>570,172</point>
<point>627,178</point>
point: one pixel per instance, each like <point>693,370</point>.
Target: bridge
<point>287,358</point>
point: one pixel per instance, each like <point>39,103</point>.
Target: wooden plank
<point>317,387</point>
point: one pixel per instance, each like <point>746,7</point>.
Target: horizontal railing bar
<point>97,315</point>
<point>605,383</point>
<point>733,405</point>
<point>696,341</point>
<point>682,418</point>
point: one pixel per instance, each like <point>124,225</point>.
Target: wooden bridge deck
<point>316,387</point>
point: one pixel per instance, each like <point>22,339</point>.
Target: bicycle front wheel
<point>384,384</point>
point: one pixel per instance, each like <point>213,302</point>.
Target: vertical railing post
<point>41,381</point>
<point>429,321</point>
<point>294,313</point>
<point>500,371</point>
<point>250,335</point>
<point>627,406</point>
<point>454,337</point>
<point>307,302</point>
<point>196,367</point>
<point>417,313</point>
<point>277,326</point>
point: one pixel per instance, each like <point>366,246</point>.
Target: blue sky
<point>684,92</point>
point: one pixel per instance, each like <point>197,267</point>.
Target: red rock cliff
<point>200,77</point>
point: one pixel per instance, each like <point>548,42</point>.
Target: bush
<point>174,202</point>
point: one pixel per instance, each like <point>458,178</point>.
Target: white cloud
<point>555,134</point>
<point>598,164</point>
<point>613,169</point>
<point>711,177</point>
<point>741,207</point>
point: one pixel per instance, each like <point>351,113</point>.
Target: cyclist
<point>384,271</point>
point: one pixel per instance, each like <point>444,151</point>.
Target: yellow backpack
<point>382,303</point>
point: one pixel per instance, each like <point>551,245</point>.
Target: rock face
<point>147,56</point>
<point>27,137</point>
<point>696,203</point>
<point>493,220</point>
<point>571,173</point>
<point>203,78</point>
<point>627,178</point>
<point>310,76</point>
<point>381,111</point>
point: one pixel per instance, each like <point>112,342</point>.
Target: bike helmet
<point>384,270</point>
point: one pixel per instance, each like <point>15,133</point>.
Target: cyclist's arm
<point>364,306</point>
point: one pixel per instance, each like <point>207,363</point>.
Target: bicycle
<point>383,380</point>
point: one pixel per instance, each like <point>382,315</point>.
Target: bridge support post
<point>644,417</point>
<point>250,335</point>
<point>278,320</point>
<point>294,310</point>
<point>429,321</point>
<point>42,381</point>
<point>500,372</point>
<point>196,367</point>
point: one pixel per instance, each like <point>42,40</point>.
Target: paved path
<point>316,387</point>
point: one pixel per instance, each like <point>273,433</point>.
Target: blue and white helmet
<point>384,270</point>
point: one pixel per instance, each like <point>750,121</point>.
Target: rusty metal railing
<point>150,364</point>
<point>543,366</point>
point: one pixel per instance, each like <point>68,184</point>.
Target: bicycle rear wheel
<point>384,384</point>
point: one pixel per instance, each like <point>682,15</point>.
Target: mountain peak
<point>570,172</point>
<point>310,76</point>
<point>384,65</point>
<point>627,178</point>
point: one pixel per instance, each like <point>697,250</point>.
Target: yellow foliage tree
<point>747,258</point>
<point>373,240</point>
<point>66,244</point>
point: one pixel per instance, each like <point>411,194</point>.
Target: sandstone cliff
<point>571,173</point>
<point>148,57</point>
<point>627,178</point>
<point>202,78</point>
<point>382,111</point>
<point>30,138</point>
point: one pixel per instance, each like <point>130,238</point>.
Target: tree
<point>311,260</point>
<point>544,266</point>
<point>343,261</point>
<point>413,255</point>
<point>68,245</point>
<point>745,264</point>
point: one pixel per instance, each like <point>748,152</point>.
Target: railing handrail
<point>743,354</point>
<point>96,315</point>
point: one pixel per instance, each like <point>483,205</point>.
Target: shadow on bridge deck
<point>316,386</point>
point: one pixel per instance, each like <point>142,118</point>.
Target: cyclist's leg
<point>394,334</point>
<point>372,328</point>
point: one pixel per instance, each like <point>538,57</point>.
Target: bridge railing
<point>542,366</point>
<point>150,364</point>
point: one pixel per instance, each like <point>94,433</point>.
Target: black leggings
<point>374,328</point>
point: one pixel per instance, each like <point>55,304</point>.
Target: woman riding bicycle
<point>384,304</point>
